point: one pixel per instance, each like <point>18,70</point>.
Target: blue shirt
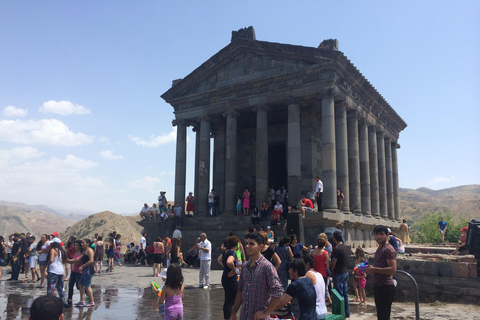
<point>442,225</point>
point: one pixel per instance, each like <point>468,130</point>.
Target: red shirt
<point>308,203</point>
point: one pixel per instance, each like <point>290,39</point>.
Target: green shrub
<point>425,229</point>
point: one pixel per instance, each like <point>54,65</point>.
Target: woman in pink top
<point>157,256</point>
<point>75,274</point>
<point>246,202</point>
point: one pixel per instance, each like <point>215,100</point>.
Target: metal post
<point>417,305</point>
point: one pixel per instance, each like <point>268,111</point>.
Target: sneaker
<point>205,287</point>
<point>90,305</point>
<point>67,305</point>
<point>80,304</point>
<point>199,286</point>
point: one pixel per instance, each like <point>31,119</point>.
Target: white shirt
<point>278,207</point>
<point>9,250</point>
<point>320,306</point>
<point>143,243</point>
<point>319,187</point>
<point>177,233</point>
<point>145,209</point>
<point>211,197</point>
<point>202,254</point>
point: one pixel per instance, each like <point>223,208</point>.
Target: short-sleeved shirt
<point>342,253</point>
<point>384,253</point>
<point>226,268</point>
<point>143,243</point>
<point>442,225</point>
<point>305,298</point>
<point>297,250</point>
<point>257,286</point>
<point>308,203</point>
<point>202,254</point>
<point>178,211</point>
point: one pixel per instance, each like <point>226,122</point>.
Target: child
<point>158,291</point>
<point>359,277</point>
<point>239,206</point>
<point>172,293</point>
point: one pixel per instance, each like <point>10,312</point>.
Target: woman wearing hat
<point>461,244</point>
<point>190,204</point>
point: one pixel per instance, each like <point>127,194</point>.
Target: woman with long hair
<point>33,258</point>
<point>157,256</point>
<point>70,249</point>
<point>322,263</point>
<point>42,250</point>
<point>87,270</point>
<point>3,253</point>
<point>110,254</point>
<point>246,202</point>
<point>75,274</point>
<point>118,247</point>
<point>175,251</point>
<point>172,293</point>
<point>229,275</point>
<point>99,254</point>
<point>285,254</point>
<point>56,258</point>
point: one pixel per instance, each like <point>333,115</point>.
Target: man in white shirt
<point>162,200</point>
<point>319,192</point>
<point>142,255</point>
<point>211,204</point>
<point>205,255</point>
<point>144,213</point>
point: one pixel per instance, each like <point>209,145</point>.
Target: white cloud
<point>110,155</point>
<point>147,183</point>
<point>156,141</point>
<point>14,112</point>
<point>19,154</point>
<point>63,108</point>
<point>439,180</point>
<point>45,131</point>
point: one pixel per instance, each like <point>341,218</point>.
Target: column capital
<point>291,100</point>
<point>176,122</point>
<point>231,113</point>
<point>372,128</point>
<point>204,118</point>
<point>352,113</point>
<point>340,105</point>
<point>362,120</point>
<point>388,140</point>
<point>328,93</point>
<point>397,145</point>
<point>195,128</point>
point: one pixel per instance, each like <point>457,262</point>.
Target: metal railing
<point>417,299</point>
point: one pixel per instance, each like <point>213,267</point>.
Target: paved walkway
<point>125,294</point>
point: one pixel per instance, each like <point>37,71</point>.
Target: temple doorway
<point>277,165</point>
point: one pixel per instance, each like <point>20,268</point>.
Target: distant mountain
<point>462,201</point>
<point>105,223</point>
<point>20,217</point>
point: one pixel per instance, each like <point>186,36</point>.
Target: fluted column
<point>196,129</point>
<point>261,168</point>
<point>230,161</point>
<point>342,154</point>
<point>373,158</point>
<point>293,152</point>
<point>203,166</point>
<point>364,167</point>
<point>396,187</point>
<point>388,170</point>
<point>329,166</point>
<point>354,163</point>
<point>180,163</point>
<point>382,175</point>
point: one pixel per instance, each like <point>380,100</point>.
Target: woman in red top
<point>322,263</point>
<point>461,244</point>
<point>70,249</point>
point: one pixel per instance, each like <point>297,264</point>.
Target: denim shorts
<point>85,280</point>
<point>42,263</point>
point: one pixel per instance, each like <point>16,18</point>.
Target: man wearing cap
<point>162,200</point>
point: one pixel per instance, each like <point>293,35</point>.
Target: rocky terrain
<point>105,223</point>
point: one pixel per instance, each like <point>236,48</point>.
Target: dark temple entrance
<point>277,165</point>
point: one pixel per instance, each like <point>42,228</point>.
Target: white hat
<point>55,240</point>
<point>388,229</point>
<point>163,274</point>
<point>268,227</point>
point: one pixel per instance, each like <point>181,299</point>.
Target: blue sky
<point>83,127</point>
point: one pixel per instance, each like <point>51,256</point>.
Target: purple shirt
<point>384,253</point>
<point>258,286</point>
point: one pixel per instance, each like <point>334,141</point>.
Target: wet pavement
<point>125,294</point>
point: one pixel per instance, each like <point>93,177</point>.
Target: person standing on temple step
<point>319,192</point>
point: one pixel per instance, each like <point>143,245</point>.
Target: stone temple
<point>280,115</point>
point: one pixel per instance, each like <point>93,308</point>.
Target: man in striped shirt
<point>258,284</point>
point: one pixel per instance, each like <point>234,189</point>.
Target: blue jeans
<point>340,284</point>
<point>15,268</point>
<point>211,206</point>
<point>178,220</point>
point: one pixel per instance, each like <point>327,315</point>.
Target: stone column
<point>396,187</point>
<point>261,163</point>
<point>293,152</point>
<point>203,166</point>
<point>388,169</point>
<point>329,169</point>
<point>372,144</point>
<point>354,163</point>
<point>180,163</point>
<point>218,167</point>
<point>342,154</point>
<point>382,175</point>
<point>364,168</point>
<point>230,161</point>
<point>196,129</point>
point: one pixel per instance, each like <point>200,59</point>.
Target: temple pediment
<point>247,61</point>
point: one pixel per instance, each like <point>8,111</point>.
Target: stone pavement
<point>125,294</point>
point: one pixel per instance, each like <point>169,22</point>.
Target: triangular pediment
<point>247,61</point>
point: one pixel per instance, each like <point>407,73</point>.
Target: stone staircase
<point>216,228</point>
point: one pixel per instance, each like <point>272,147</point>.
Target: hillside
<point>19,217</point>
<point>104,223</point>
<point>461,201</point>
